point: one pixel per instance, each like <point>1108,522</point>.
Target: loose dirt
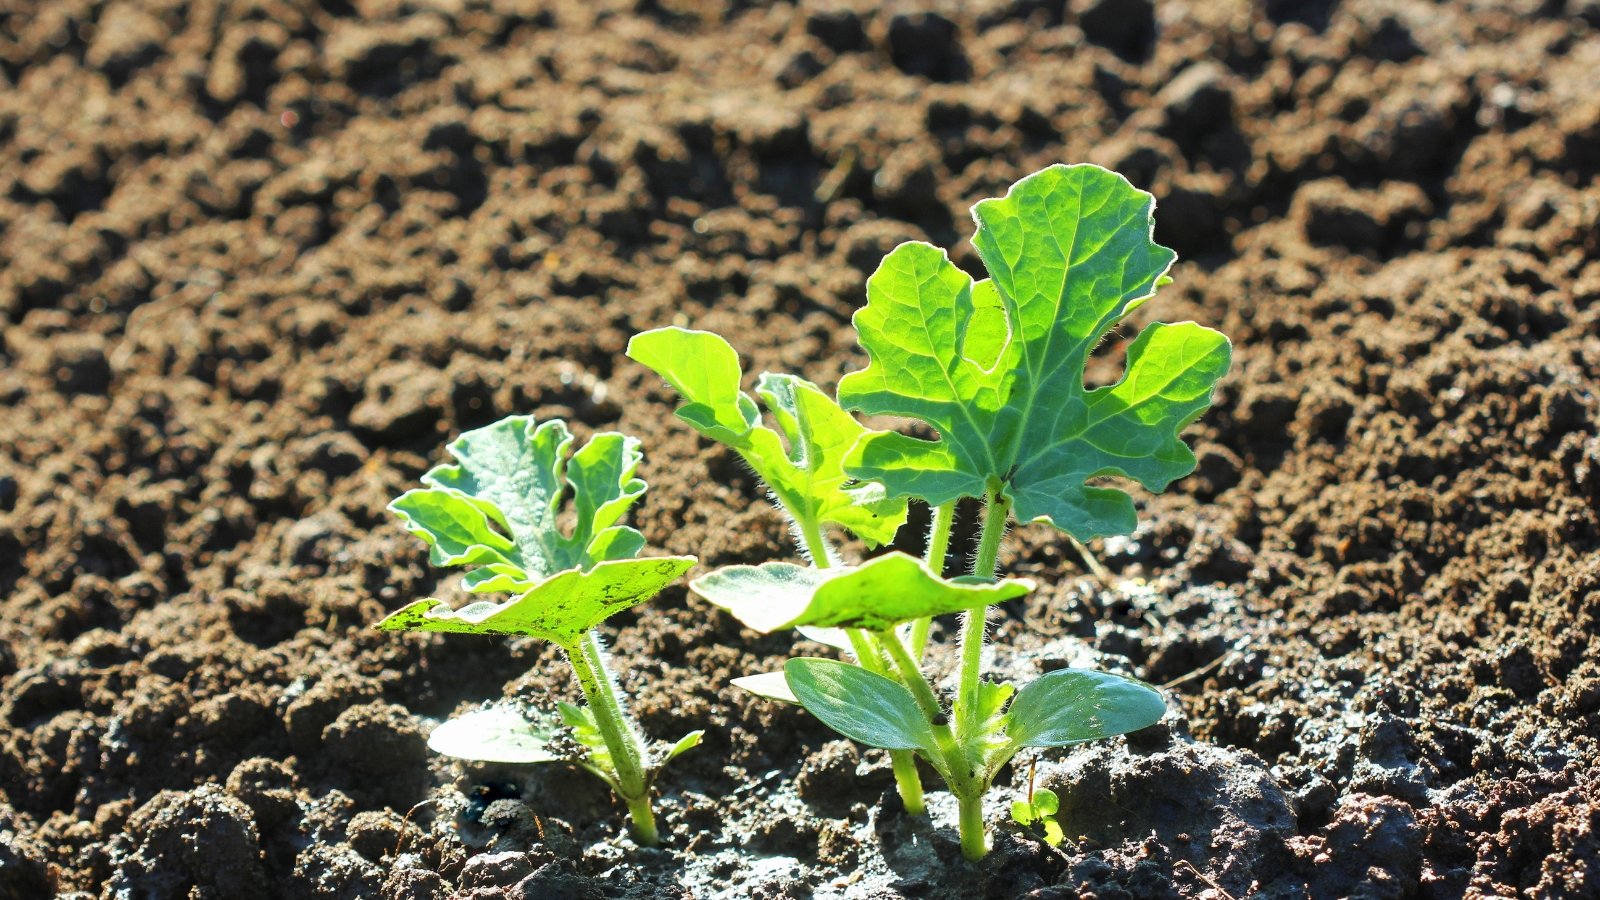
<point>259,260</point>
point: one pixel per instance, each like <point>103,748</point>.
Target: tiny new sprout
<point>1040,809</point>
<point>496,512</point>
<point>996,369</point>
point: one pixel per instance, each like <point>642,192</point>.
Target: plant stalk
<point>944,516</point>
<point>815,543</point>
<point>996,510</point>
<point>906,779</point>
<point>911,676</point>
<point>974,842</point>
<point>623,743</point>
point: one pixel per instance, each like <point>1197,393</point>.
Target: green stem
<point>911,676</point>
<point>869,653</point>
<point>866,651</point>
<point>906,779</point>
<point>627,754</point>
<point>944,516</point>
<point>815,543</point>
<point>996,509</point>
<point>644,821</point>
<point>974,842</point>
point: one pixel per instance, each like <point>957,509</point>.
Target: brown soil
<point>259,260</point>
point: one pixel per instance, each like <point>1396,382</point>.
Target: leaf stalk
<point>906,779</point>
<point>995,512</point>
<point>944,516</point>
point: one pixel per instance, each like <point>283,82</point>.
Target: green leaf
<point>1068,706</point>
<point>876,595</point>
<point>1046,802</point>
<point>1070,255</point>
<point>1023,813</point>
<point>456,531</point>
<point>1053,835</point>
<point>808,477</point>
<point>860,705</point>
<point>685,744</point>
<point>496,735</point>
<point>560,608</point>
<point>498,506</point>
<point>992,698</point>
<point>767,686</point>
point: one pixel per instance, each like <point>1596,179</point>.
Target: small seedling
<point>802,464</point>
<point>996,369</point>
<point>1040,809</point>
<point>496,512</point>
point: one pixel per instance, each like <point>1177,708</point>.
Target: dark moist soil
<point>260,260</point>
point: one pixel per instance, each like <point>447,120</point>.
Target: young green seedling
<point>496,511</point>
<point>1040,808</point>
<point>996,368</point>
<point>801,462</point>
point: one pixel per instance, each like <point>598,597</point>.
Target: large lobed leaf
<point>560,608</point>
<point>876,595</point>
<point>808,478</point>
<point>498,506</point>
<point>997,367</point>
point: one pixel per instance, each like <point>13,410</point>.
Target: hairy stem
<point>623,743</point>
<point>996,509</point>
<point>911,676</point>
<point>814,543</point>
<point>906,779</point>
<point>644,822</point>
<point>974,842</point>
<point>944,516</point>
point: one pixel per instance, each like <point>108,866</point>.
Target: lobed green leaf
<point>997,367</point>
<point>498,505</point>
<point>808,477</point>
<point>876,595</point>
<point>560,608</point>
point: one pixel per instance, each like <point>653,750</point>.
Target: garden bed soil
<point>259,260</point>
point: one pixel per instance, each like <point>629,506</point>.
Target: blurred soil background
<point>260,260</point>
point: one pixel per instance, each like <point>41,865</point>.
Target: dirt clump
<point>261,260</point>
